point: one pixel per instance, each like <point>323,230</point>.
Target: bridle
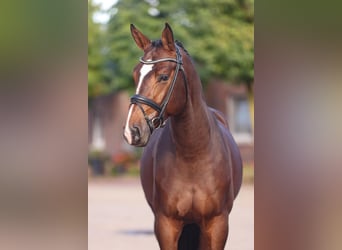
<point>158,121</point>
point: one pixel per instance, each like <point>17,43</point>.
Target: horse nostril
<point>135,130</point>
<point>135,134</point>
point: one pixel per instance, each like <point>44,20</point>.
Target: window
<point>240,119</point>
<point>98,142</point>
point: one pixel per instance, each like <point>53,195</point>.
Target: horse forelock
<point>158,44</point>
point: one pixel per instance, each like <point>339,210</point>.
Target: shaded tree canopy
<point>96,66</point>
<point>217,34</point>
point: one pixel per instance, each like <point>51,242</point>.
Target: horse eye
<point>163,78</point>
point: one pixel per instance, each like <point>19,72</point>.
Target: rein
<point>158,121</point>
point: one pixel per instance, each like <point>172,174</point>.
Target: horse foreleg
<point>214,233</point>
<point>167,231</point>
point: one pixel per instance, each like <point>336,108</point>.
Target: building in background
<point>233,101</point>
<point>107,116</point>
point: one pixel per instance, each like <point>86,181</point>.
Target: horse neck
<point>191,128</point>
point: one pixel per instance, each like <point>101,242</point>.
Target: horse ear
<point>140,39</point>
<point>167,38</point>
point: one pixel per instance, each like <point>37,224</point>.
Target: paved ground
<point>120,219</point>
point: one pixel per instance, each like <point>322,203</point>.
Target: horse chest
<point>190,190</point>
<point>191,201</point>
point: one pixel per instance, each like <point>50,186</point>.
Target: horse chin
<point>143,140</point>
<point>141,144</point>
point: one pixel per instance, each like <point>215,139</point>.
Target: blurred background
<point>48,200</point>
<point>219,36</point>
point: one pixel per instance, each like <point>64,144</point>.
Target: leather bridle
<point>158,121</point>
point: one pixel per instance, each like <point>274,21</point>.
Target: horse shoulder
<point>233,150</point>
<point>152,152</point>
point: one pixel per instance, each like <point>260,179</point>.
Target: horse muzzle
<point>137,136</point>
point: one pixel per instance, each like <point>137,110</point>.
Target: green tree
<point>98,75</point>
<point>218,35</point>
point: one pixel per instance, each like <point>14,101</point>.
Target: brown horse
<point>191,168</point>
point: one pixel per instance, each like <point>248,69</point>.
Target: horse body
<point>192,182</point>
<point>191,170</point>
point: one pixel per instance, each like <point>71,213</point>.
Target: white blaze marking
<point>127,130</point>
<point>145,69</point>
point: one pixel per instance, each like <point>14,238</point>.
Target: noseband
<point>158,121</point>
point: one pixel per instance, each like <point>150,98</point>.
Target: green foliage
<point>217,34</point>
<point>98,75</point>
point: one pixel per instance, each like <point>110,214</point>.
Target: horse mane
<point>179,44</point>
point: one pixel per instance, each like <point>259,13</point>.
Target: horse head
<point>159,91</point>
